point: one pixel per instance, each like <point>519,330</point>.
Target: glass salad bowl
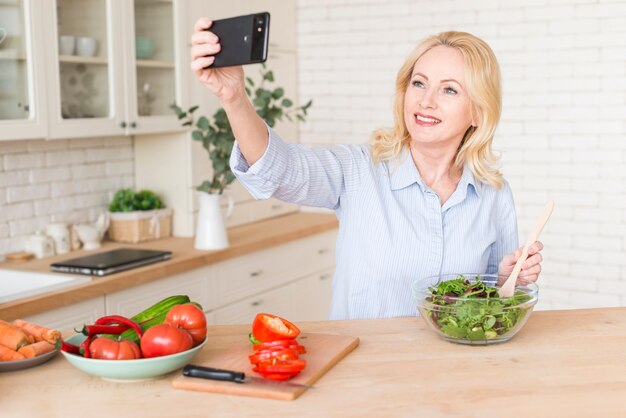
<point>466,308</point>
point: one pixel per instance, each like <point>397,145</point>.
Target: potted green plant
<point>138,216</point>
<point>217,138</point>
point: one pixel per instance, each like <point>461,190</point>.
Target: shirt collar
<point>403,173</point>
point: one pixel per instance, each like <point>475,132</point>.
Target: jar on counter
<point>60,233</point>
<point>39,244</point>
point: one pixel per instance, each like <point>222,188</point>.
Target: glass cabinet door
<point>14,82</point>
<point>86,81</point>
<point>83,59</point>
<point>155,74</point>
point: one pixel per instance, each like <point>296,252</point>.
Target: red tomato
<point>108,349</point>
<point>190,318</point>
<point>164,339</point>
<point>268,327</point>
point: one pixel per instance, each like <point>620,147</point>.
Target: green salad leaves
<point>479,315</point>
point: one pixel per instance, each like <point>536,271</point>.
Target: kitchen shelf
<point>154,64</point>
<point>83,60</point>
<point>12,54</point>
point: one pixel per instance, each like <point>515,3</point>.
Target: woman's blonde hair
<point>482,78</point>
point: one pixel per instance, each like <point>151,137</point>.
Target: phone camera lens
<point>260,21</point>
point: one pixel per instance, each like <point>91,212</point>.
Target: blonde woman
<point>424,198</point>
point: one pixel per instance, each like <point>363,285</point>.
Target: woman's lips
<point>426,120</point>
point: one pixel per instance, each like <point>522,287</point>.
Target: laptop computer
<point>110,262</point>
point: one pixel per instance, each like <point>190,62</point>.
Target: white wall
<point>61,180</point>
<point>563,129</point>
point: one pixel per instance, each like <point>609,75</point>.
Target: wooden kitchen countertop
<point>243,240</point>
<point>561,364</point>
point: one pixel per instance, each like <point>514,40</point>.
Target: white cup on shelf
<point>86,47</point>
<point>67,44</point>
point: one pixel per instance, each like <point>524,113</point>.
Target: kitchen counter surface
<point>562,364</point>
<point>243,240</point>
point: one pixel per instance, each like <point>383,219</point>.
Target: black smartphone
<point>244,39</point>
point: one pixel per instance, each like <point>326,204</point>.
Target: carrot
<point>36,349</point>
<point>40,333</point>
<point>6,354</point>
<point>12,337</point>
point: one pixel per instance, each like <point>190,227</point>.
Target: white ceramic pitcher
<point>210,226</point>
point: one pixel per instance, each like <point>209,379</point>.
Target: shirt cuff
<point>263,177</point>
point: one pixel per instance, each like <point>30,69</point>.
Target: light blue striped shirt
<point>393,229</point>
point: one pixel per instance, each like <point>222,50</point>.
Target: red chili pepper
<point>84,346</point>
<point>68,347</point>
<point>119,320</point>
<point>103,329</point>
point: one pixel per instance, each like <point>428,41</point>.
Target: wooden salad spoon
<point>508,288</point>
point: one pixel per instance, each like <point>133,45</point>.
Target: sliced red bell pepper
<point>278,366</point>
<point>284,354</point>
<point>267,327</point>
<point>276,376</point>
<point>279,345</point>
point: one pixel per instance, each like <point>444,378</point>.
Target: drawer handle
<point>322,251</point>
<point>256,273</point>
<point>276,207</point>
<point>257,302</point>
<point>324,276</point>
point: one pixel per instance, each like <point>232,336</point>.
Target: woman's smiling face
<point>436,103</point>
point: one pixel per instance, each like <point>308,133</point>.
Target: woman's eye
<point>418,83</point>
<point>449,90</point>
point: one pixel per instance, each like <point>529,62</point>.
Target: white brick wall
<point>58,181</point>
<point>563,130</point>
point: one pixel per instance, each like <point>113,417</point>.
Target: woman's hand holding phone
<point>227,83</point>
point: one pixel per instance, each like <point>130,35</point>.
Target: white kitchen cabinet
<point>194,283</point>
<point>124,86</point>
<point>311,296</point>
<point>71,317</point>
<point>291,280</point>
<point>276,301</point>
<point>254,273</point>
<point>22,71</point>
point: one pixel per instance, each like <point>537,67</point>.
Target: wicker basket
<point>140,226</point>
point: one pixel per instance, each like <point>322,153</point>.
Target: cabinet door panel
<point>283,23</point>
<point>249,275</point>
<point>70,317</point>
<point>277,302</point>
<point>194,283</point>
<point>311,296</point>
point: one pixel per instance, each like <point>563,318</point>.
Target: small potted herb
<point>138,216</point>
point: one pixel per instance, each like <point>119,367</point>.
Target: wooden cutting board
<point>323,352</point>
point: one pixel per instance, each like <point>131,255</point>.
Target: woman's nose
<point>428,101</point>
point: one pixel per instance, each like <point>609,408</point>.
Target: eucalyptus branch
<point>216,134</point>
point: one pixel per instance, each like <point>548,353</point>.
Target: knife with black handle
<point>202,372</point>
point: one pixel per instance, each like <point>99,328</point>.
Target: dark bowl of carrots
<point>24,344</point>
